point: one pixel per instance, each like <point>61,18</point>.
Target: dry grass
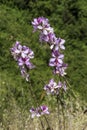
<point>14,119</point>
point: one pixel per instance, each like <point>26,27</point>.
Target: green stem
<point>36,102</point>
<point>63,115</point>
<point>58,111</point>
<point>47,123</point>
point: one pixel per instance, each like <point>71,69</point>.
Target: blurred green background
<point>69,20</point>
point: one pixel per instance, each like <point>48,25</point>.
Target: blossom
<point>44,110</point>
<point>23,54</point>
<point>27,52</point>
<point>50,38</point>
<point>56,44</point>
<point>60,69</point>
<point>36,23</point>
<point>57,59</point>
<point>42,25</point>
<point>54,88</point>
<point>39,111</point>
<point>25,62</point>
<point>16,50</point>
<point>60,42</point>
<point>51,87</point>
<point>24,73</point>
<point>35,112</point>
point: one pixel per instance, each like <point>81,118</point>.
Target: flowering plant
<point>23,55</point>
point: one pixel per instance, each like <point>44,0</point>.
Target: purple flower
<point>57,62</point>
<point>25,62</point>
<point>35,112</point>
<point>36,23</point>
<point>21,51</point>
<point>62,86</point>
<point>61,69</point>
<point>59,44</point>
<point>23,54</point>
<point>49,38</point>
<point>44,110</point>
<point>51,87</point>
<point>57,59</point>
<point>56,44</point>
<point>39,23</point>
<point>39,111</point>
<point>54,88</point>
<point>16,50</point>
<point>42,25</point>
<point>24,73</point>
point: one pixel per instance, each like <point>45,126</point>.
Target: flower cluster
<point>54,88</point>
<point>42,24</point>
<point>57,62</point>
<point>22,55</point>
<point>56,44</point>
<point>39,111</point>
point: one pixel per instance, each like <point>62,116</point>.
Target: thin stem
<point>47,123</point>
<point>33,95</point>
<point>42,124</point>
<point>58,111</point>
<point>67,82</point>
<point>63,116</point>
<point>36,102</point>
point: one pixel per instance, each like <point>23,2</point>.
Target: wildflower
<point>44,110</point>
<point>57,59</point>
<point>49,38</point>
<point>16,50</point>
<point>59,44</point>
<point>25,62</point>
<point>35,112</point>
<point>57,62</point>
<point>51,87</point>
<point>24,73</point>
<point>43,26</point>
<point>54,88</point>
<point>60,69</point>
<point>39,111</point>
<point>56,44</point>
<point>23,54</point>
